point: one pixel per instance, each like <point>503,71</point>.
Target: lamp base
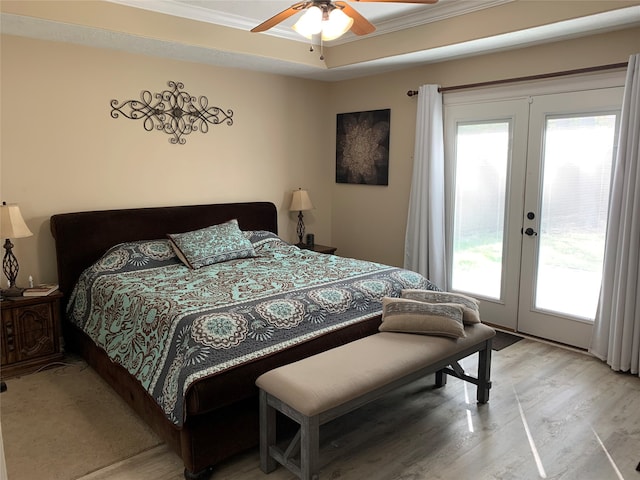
<point>300,228</point>
<point>11,292</point>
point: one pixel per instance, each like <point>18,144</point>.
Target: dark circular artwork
<point>362,147</point>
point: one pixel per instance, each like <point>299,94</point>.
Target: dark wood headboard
<point>81,238</point>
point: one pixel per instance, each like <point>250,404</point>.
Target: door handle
<point>530,231</point>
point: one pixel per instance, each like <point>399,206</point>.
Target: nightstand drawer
<point>30,333</point>
<point>36,330</point>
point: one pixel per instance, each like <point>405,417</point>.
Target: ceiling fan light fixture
<point>310,23</point>
<point>337,25</point>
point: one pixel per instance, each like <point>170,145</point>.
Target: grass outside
<point>575,258</point>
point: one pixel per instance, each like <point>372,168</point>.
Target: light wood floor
<point>553,413</point>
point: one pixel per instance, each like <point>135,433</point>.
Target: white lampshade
<point>300,201</point>
<point>11,222</point>
<point>310,23</point>
<point>338,24</point>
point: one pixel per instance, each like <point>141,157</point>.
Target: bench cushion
<point>329,379</point>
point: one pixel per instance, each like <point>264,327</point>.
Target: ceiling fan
<point>329,18</point>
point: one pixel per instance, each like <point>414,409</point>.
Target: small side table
<point>319,248</point>
<point>29,333</point>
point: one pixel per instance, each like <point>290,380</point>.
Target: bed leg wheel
<point>201,475</point>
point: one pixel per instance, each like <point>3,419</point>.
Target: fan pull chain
<point>311,49</point>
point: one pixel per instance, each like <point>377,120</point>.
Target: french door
<point>528,189</point>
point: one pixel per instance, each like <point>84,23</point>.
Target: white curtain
<point>616,337</point>
<point>425,250</point>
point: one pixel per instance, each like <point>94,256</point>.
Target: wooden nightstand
<point>319,248</point>
<point>30,333</point>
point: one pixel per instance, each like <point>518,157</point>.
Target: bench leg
<point>484,373</point>
<point>309,448</point>
<point>267,434</point>
<point>441,378</point>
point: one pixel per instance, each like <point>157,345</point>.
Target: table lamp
<point>300,202</point>
<point>11,226</point>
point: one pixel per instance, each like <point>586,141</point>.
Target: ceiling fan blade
<point>276,19</point>
<point>397,1</point>
<point>361,26</point>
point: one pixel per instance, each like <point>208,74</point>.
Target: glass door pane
<point>481,169</point>
<point>577,158</point>
<point>485,152</point>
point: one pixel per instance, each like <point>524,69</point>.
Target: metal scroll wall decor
<point>173,112</point>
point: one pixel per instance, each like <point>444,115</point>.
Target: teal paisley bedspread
<point>170,326</point>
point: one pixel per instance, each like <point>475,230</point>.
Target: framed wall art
<point>362,147</point>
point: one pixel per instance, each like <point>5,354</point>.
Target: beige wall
<point>61,151</point>
<point>369,222</point>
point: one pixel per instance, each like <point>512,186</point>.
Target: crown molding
<point>385,24</point>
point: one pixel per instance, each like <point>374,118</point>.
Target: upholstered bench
<point>325,386</point>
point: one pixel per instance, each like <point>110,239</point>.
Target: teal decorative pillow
<point>412,316</point>
<point>469,304</point>
<point>214,244</point>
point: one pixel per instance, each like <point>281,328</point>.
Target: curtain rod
<point>611,66</point>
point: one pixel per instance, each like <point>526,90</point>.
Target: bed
<point>186,342</point>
